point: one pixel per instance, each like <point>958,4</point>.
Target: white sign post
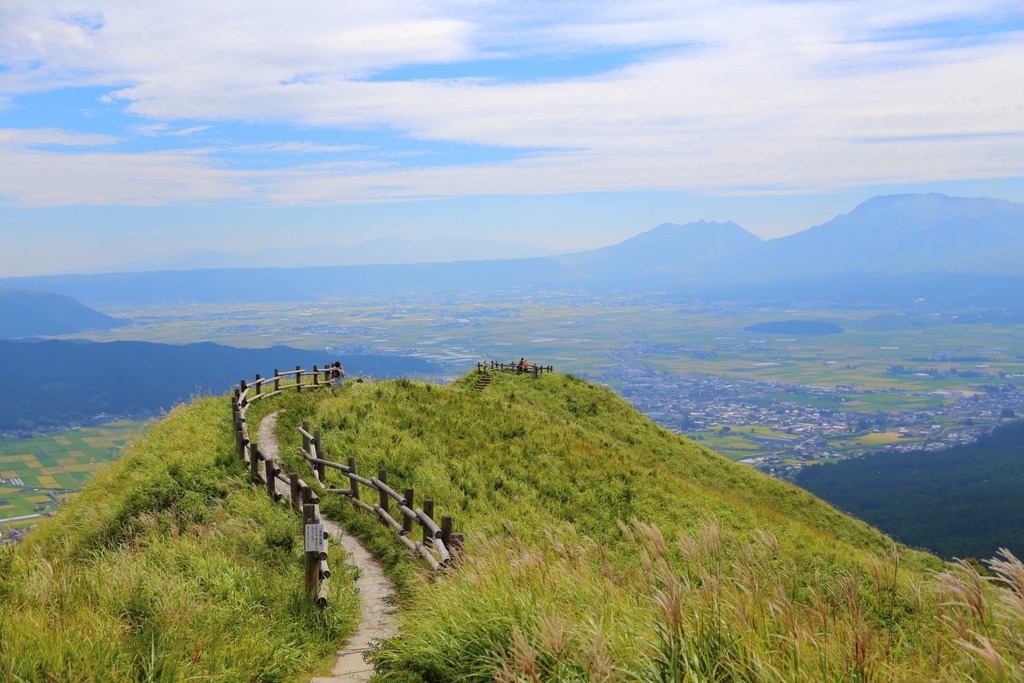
<point>315,541</point>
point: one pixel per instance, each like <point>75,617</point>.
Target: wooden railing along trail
<point>438,544</point>
<point>437,539</point>
<point>303,498</point>
<point>517,368</point>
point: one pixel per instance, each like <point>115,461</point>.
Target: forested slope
<point>959,502</point>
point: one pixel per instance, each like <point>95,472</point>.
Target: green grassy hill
<point>602,547</point>
<point>169,566</point>
<point>599,547</point>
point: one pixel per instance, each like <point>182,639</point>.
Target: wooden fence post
<point>312,559</point>
<point>316,376</point>
<point>446,529</point>
<point>305,439</point>
<point>259,384</point>
<point>254,461</point>
<point>385,499</point>
<point>293,483</point>
<point>298,378</point>
<point>352,469</point>
<point>428,510</point>
<point>309,496</point>
<point>321,473</point>
<point>271,470</point>
<point>406,522</point>
<point>277,380</point>
<point>240,444</point>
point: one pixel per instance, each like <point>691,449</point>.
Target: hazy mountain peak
<point>911,212</point>
<point>696,238</point>
<point>702,227</point>
<point>668,249</point>
<point>899,234</point>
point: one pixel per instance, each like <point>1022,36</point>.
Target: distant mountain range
<point>29,312</point>
<point>895,248</point>
<point>383,250</point>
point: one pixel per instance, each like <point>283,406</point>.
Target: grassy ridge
<point>601,547</point>
<point>169,566</point>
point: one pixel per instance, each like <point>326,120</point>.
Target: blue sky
<point>130,130</point>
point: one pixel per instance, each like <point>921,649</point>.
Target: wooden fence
<point>303,498</point>
<point>517,368</point>
<point>439,543</point>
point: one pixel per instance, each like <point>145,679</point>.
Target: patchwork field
<point>38,473</point>
<point>887,361</point>
<point>584,336</point>
<point>737,441</point>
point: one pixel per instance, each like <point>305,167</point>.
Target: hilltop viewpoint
<point>597,547</point>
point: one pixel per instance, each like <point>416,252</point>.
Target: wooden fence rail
<point>517,368</point>
<point>302,499</point>
<point>253,391</point>
<point>438,542</point>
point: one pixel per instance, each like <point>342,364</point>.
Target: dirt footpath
<point>376,611</point>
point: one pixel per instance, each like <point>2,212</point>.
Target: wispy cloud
<point>17,137</point>
<point>156,129</point>
<point>298,148</point>
<point>33,178</point>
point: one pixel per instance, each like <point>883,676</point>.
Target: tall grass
<point>603,548</point>
<point>170,566</point>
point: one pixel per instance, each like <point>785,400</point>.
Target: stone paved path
<point>377,614</point>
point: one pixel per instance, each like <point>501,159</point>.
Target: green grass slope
<point>600,547</point>
<point>169,566</point>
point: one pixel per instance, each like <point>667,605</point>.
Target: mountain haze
<point>908,244</point>
<point>380,251</point>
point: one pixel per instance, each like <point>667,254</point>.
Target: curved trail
<point>376,614</point>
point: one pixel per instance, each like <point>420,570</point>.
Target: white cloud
<point>742,96</point>
<point>233,44</point>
